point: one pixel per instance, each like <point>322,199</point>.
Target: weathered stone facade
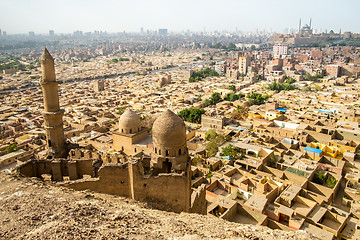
<point>162,179</point>
<point>52,113</point>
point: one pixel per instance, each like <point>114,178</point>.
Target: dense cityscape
<point>257,128</point>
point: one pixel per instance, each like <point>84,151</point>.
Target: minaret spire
<point>47,67</point>
<point>52,114</point>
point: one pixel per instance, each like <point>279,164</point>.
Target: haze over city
<point>22,16</point>
<point>179,119</point>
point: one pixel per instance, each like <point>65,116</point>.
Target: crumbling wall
<point>113,179</point>
<point>166,191</point>
<point>169,192</point>
<point>113,158</point>
<point>78,153</point>
<point>84,167</point>
<point>57,168</point>
<point>198,200</point>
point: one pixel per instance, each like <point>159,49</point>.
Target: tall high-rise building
<point>0,33</point>
<point>280,50</point>
<point>163,31</point>
<point>51,33</point>
<point>4,33</point>
<point>244,62</point>
<point>31,34</point>
<point>53,115</point>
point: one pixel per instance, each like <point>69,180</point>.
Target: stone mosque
<point>156,169</point>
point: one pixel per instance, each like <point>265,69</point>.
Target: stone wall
<point>198,200</point>
<point>113,179</point>
<point>58,168</point>
<point>165,191</point>
<point>169,192</point>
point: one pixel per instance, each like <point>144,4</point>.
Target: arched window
<point>134,149</point>
<point>167,153</point>
<point>49,142</point>
<point>159,152</point>
<point>130,130</point>
<point>122,148</point>
<point>155,150</point>
<point>179,151</point>
<point>122,130</point>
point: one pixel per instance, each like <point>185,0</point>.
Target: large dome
<point>129,122</point>
<point>169,130</point>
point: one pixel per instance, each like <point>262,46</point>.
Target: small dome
<point>129,122</point>
<point>169,130</point>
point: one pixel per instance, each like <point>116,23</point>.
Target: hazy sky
<point>22,16</point>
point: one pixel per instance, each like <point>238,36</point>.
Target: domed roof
<point>169,130</point>
<point>129,120</point>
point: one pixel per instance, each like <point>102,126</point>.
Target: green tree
<point>114,60</point>
<point>309,77</point>
<point>257,98</point>
<point>218,46</point>
<point>233,97</point>
<point>232,87</point>
<point>230,151</point>
<point>290,80</point>
<point>319,75</point>
<point>211,148</point>
<point>231,46</point>
<point>215,98</point>
<point>215,140</point>
<point>281,86</point>
<point>211,134</point>
<point>206,103</point>
<point>199,75</point>
<point>240,113</point>
<point>30,67</point>
<point>191,115</point>
<point>331,182</point>
<point>120,111</point>
<point>319,178</point>
<point>11,148</point>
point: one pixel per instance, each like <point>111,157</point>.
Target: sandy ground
<point>31,209</point>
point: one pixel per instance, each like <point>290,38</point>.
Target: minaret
<point>53,115</point>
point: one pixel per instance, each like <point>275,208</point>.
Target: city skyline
<point>117,16</point>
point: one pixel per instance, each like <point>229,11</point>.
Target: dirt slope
<point>30,209</point>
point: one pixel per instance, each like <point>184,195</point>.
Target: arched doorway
<point>167,165</point>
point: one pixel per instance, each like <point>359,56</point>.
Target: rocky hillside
<point>31,209</point>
